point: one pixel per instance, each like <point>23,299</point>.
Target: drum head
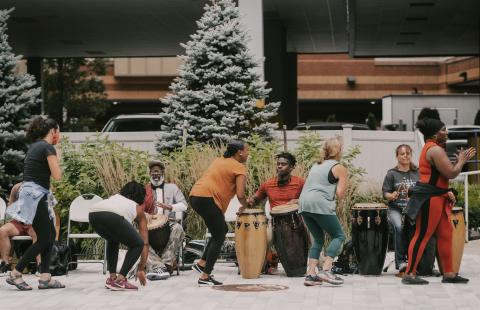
<point>156,221</point>
<point>369,206</point>
<point>252,211</point>
<point>283,209</point>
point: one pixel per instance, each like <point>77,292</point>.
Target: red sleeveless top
<point>429,173</point>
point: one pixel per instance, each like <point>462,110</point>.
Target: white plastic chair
<point>79,210</point>
<point>3,209</point>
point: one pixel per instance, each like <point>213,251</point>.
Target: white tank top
<point>117,204</point>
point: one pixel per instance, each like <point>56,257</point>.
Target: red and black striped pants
<point>433,218</point>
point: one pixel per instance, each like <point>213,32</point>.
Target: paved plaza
<point>85,290</point>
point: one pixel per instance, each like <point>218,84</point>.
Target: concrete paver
<point>85,290</point>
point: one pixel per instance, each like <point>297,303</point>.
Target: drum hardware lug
<point>368,222</point>
<point>378,220</point>
<point>246,225</point>
<point>455,222</point>
<point>239,224</point>
<point>359,220</point>
<point>256,224</point>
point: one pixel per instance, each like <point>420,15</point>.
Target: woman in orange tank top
<point>435,171</point>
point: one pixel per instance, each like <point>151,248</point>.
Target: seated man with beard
<point>164,199</point>
<point>280,190</point>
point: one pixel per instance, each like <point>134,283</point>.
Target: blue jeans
<point>395,219</point>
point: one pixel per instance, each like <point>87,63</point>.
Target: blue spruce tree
<point>18,95</point>
<point>218,95</point>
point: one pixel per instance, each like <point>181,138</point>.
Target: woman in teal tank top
<point>326,181</point>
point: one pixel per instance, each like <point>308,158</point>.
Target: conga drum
<point>158,231</point>
<point>370,236</point>
<point>291,239</point>
<point>458,237</point>
<point>251,242</point>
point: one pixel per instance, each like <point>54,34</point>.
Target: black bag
<point>60,258</point>
<point>346,262</point>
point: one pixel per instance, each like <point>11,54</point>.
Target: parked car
<point>329,126</point>
<point>134,122</point>
<point>458,138</point>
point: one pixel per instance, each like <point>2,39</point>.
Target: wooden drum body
<point>370,236</point>
<point>458,237</point>
<point>251,242</point>
<point>291,239</point>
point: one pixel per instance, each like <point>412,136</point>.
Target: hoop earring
<point>434,137</point>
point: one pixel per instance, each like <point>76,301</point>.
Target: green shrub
<point>101,166</point>
<point>473,202</point>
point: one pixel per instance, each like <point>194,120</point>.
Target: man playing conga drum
<point>280,190</point>
<point>164,199</point>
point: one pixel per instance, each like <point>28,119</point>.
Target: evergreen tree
<point>18,95</point>
<point>74,94</point>
<point>218,94</point>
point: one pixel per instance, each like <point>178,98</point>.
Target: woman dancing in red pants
<point>431,201</point>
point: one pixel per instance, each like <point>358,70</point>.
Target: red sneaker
<point>125,285</point>
<point>110,284</point>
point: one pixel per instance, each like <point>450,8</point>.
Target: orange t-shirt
<point>218,181</point>
<point>280,195</point>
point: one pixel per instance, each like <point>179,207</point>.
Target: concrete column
<point>34,67</point>
<point>251,12</point>
<point>347,136</point>
<point>281,72</point>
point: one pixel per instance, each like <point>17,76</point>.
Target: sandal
<point>48,284</point>
<point>22,286</point>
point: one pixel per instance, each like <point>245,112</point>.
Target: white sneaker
<point>329,277</point>
<point>158,274</point>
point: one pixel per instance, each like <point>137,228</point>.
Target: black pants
<point>45,230</point>
<point>115,230</point>
<point>215,221</point>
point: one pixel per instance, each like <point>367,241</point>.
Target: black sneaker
<point>209,282</point>
<point>409,280</point>
<point>198,268</point>
<point>455,280</point>
<point>312,280</point>
<point>5,268</point>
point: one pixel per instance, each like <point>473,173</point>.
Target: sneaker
<point>414,280</point>
<point>312,280</point>
<point>329,277</point>
<point>198,268</point>
<point>158,274</point>
<point>111,285</point>
<point>455,280</point>
<point>5,269</point>
<point>402,267</point>
<point>125,285</point>
<point>209,282</point>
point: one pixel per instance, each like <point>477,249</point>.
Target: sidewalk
<point>85,290</point>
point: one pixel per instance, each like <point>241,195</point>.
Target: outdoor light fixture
<point>351,80</point>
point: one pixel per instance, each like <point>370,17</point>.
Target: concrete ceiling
<point>116,28</point>
<point>414,27</point>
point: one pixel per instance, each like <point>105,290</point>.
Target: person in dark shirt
<point>41,163</point>
<point>395,189</point>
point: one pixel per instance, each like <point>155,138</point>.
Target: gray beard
<point>156,182</point>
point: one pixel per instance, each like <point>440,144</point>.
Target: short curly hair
<point>134,191</point>
<point>289,157</point>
